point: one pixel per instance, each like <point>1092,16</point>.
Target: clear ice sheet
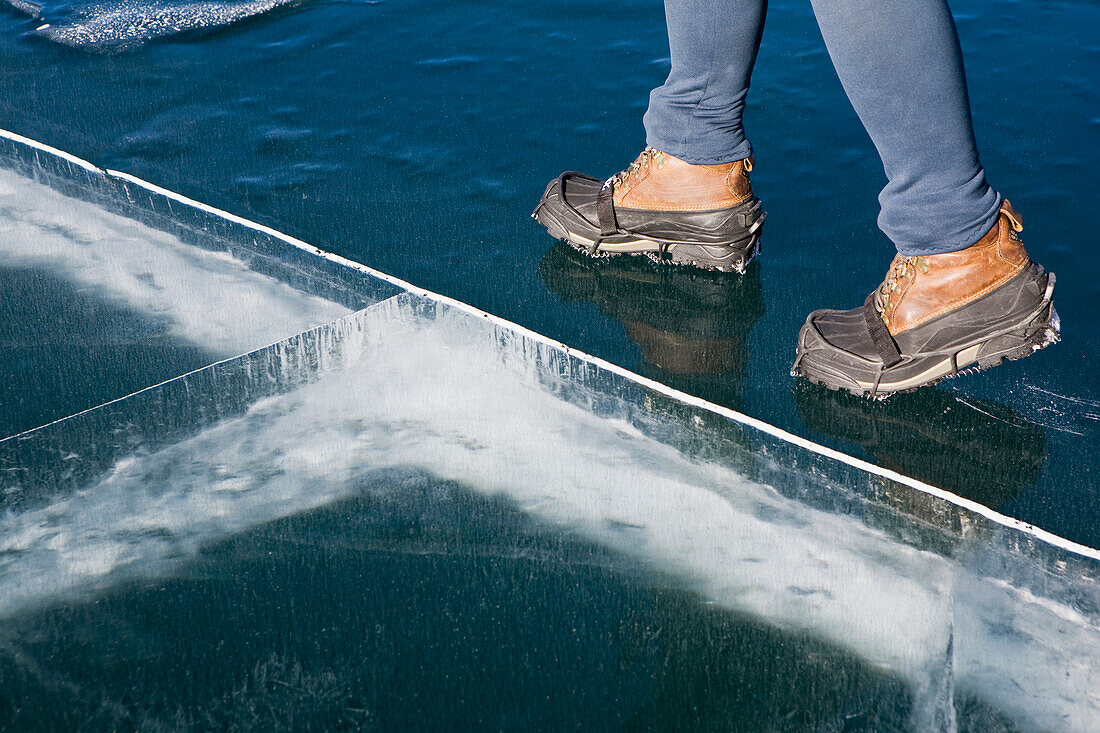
<point>946,600</point>
<point>109,289</point>
<point>952,604</point>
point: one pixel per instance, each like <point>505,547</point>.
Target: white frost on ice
<point>206,298</point>
<point>123,24</point>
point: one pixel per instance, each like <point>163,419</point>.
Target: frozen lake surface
<point>338,501</point>
<point>364,442</point>
<point>451,118</point>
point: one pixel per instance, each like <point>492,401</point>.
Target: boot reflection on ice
<point>691,326</point>
<point>978,449</point>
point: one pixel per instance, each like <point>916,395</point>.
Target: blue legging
<point>899,62</point>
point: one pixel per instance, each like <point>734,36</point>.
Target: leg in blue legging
<point>900,64</point>
<point>696,114</point>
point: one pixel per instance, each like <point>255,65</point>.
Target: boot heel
<point>1037,333</point>
<point>726,258</point>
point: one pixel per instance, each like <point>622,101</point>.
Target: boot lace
<point>902,267</point>
<point>642,163</point>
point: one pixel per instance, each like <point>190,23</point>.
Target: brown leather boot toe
<point>935,316</point>
<point>662,207</point>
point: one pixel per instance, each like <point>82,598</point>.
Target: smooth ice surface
<point>417,136</point>
<point>413,517</point>
<point>510,417</point>
<point>957,605</point>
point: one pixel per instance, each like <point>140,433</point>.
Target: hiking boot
<point>662,207</point>
<point>935,316</point>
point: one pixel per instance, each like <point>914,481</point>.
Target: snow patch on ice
<point>124,24</point>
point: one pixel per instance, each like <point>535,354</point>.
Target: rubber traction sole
<point>1042,337</point>
<point>650,249</point>
<point>662,252</point>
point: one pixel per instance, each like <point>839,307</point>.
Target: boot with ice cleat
<point>662,207</point>
<point>935,316</point>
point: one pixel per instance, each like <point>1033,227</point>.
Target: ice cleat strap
<point>563,178</point>
<point>605,209</point>
<point>884,343</point>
